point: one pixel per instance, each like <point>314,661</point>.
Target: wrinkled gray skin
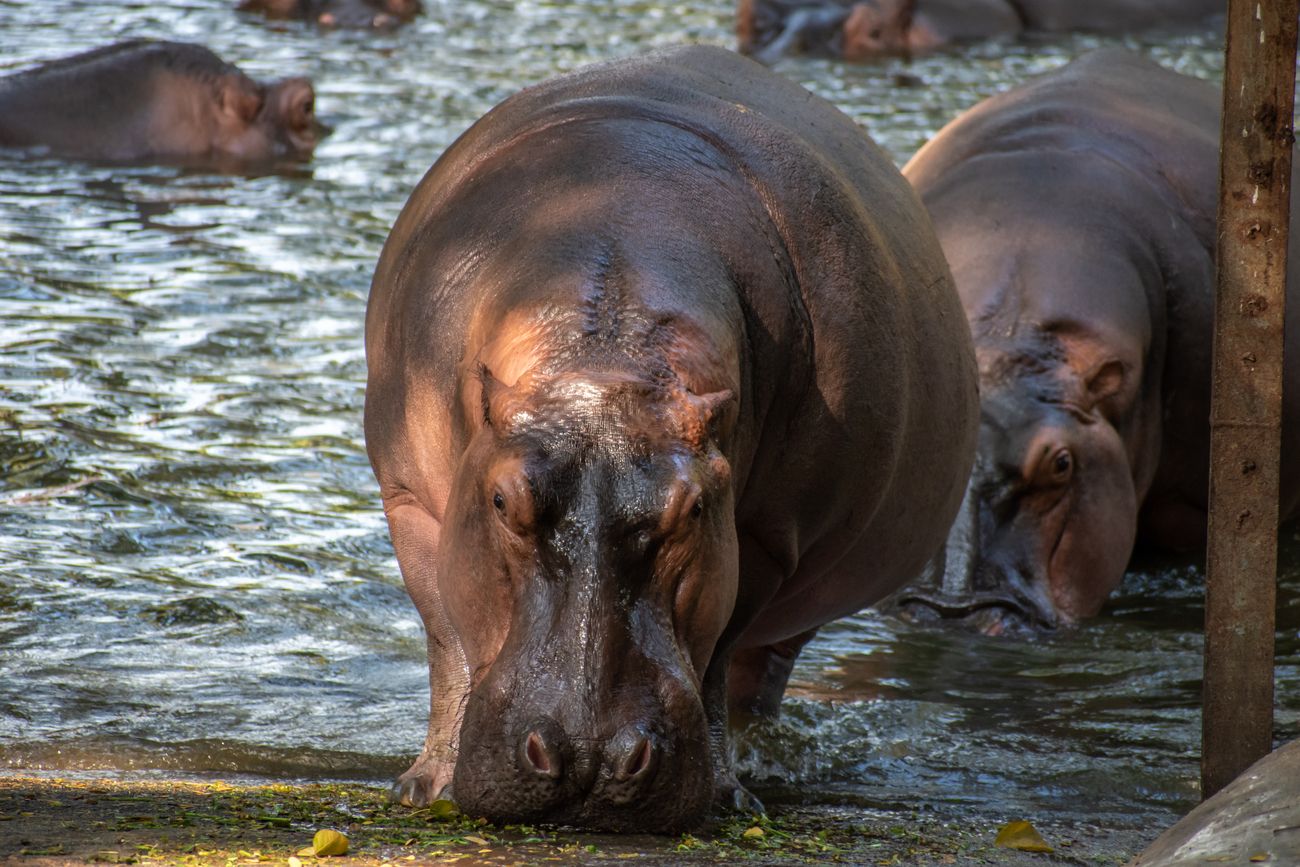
<point>666,371</point>
<point>1077,212</point>
<point>863,29</point>
<point>356,14</point>
<point>1259,812</point>
<point>144,101</point>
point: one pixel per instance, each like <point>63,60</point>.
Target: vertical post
<point>1246,402</point>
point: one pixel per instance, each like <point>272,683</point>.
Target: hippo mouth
<point>989,613</point>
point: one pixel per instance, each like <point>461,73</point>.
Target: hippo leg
<point>758,677</point>
<point>415,532</point>
<point>1173,523</point>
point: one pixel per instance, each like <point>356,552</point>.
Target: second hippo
<point>357,14</point>
<point>863,29</point>
<point>1077,212</point>
<point>146,101</point>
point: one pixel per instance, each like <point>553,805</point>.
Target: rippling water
<point>195,574</point>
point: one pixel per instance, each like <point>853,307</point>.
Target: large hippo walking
<point>1077,212</point>
<point>863,29</point>
<point>147,101</point>
<point>666,371</point>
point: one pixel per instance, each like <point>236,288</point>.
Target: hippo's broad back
<point>666,371</point>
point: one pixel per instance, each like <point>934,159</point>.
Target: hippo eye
<point>499,502</point>
<point>1062,464</point>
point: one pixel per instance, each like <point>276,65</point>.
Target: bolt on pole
<point>1246,401</point>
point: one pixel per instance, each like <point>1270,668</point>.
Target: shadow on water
<point>195,574</point>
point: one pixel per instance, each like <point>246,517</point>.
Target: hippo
<point>666,370</point>
<point>145,101</point>
<point>1077,212</point>
<point>1255,818</point>
<point>858,30</point>
<point>356,14</point>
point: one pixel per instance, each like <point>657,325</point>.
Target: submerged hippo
<point>1077,212</point>
<point>666,371</point>
<point>862,29</point>
<point>378,14</point>
<point>1254,819</point>
<point>145,101</point>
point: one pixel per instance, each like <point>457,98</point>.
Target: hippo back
<point>856,396</point>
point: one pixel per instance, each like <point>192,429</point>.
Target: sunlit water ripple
<point>195,575</point>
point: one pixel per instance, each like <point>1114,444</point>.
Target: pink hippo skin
<point>666,371</point>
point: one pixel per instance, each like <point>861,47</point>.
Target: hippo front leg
<point>415,536</point>
<point>728,792</point>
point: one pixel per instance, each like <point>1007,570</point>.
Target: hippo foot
<point>732,797</point>
<point>426,781</point>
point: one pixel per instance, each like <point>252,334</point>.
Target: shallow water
<point>195,575</point>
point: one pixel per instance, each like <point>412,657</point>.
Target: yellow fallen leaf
<point>329,842</point>
<point>753,833</point>
<point>1022,836</point>
<point>442,810</point>
<point>308,852</point>
<point>478,840</point>
<point>295,861</point>
<point>1261,856</point>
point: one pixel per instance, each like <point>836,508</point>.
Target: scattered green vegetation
<point>60,821</point>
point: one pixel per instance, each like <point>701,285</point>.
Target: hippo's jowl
<point>145,101</point>
<point>666,371</point>
<point>1078,214</point>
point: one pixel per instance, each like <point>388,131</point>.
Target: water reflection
<point>194,572</point>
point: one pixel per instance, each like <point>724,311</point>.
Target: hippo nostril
<point>638,761</point>
<point>540,757</point>
<point>634,755</point>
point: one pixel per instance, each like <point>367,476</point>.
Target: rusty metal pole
<point>1246,403</point>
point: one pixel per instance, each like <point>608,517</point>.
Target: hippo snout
<point>637,777</point>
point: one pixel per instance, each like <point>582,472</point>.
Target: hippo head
<point>378,14</point>
<point>877,27</point>
<point>259,123</point>
<point>590,566</point>
<point>1048,521</point>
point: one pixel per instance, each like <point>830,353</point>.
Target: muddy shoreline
<point>54,820</point>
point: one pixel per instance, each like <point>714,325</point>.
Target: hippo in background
<point>1077,212</point>
<point>356,14</point>
<point>157,102</point>
<point>1253,819</point>
<point>858,30</point>
<point>666,370</point>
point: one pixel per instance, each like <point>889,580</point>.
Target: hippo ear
<point>491,390</point>
<point>1104,381</point>
<point>708,415</point>
<point>240,99</point>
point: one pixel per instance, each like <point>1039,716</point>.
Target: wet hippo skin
<point>1077,212</point>
<point>381,14</point>
<point>666,371</point>
<point>145,101</point>
<point>1256,814</point>
<point>862,29</point>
